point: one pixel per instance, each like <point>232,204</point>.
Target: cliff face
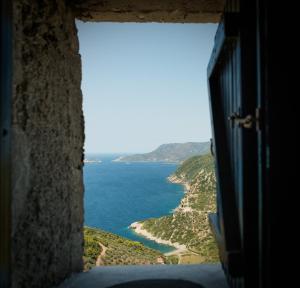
<point>188,224</point>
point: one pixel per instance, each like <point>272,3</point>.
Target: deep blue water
<point>118,194</point>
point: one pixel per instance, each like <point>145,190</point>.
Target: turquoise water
<point>118,194</point>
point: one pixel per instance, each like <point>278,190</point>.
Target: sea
<point>120,193</point>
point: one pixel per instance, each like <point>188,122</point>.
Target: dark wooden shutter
<point>232,85</point>
<point>5,118</point>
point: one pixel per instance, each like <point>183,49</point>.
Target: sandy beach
<point>137,227</point>
<point>179,248</point>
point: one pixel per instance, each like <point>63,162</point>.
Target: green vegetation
<point>116,250</point>
<point>172,259</point>
<point>92,249</point>
<point>188,224</point>
<point>190,168</point>
<point>173,152</point>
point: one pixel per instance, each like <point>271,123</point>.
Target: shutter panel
<point>232,88</point>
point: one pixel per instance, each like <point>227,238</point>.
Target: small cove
<point>119,193</point>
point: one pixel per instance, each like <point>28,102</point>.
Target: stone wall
<point>47,125</point>
<point>171,11</point>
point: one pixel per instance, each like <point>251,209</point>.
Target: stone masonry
<point>47,125</point>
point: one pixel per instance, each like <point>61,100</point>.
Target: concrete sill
<point>148,276</point>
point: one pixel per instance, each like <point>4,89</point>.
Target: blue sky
<point>144,84</point>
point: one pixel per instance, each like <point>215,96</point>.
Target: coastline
<point>176,180</point>
<point>137,227</point>
<point>179,249</point>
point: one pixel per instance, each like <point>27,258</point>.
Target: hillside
<point>174,152</point>
<point>104,248</point>
<point>188,225</point>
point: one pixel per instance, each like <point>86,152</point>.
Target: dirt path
<point>99,261</point>
<point>160,260</point>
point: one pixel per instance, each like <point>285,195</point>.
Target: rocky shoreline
<point>138,228</point>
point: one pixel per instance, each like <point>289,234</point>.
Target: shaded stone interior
<point>47,145</point>
<point>48,126</point>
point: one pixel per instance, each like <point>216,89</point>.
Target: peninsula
<point>187,228</point>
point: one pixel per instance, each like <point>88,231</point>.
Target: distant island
<point>170,153</point>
